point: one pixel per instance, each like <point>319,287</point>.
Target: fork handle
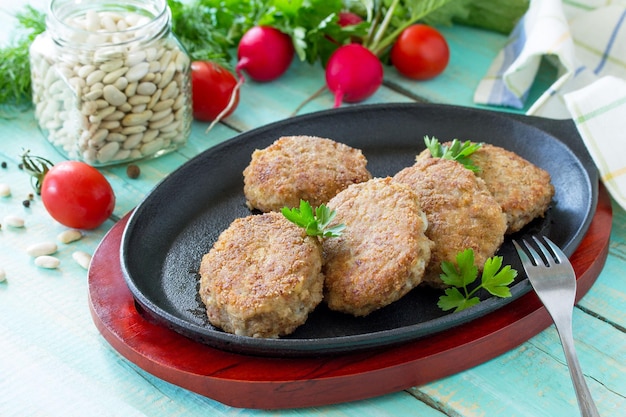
<point>585,401</point>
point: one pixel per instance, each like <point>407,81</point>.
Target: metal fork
<point>554,281</point>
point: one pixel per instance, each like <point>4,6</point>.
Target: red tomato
<point>211,87</point>
<point>420,52</point>
<point>77,195</point>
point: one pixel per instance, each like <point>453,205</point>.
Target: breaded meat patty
<point>383,251</point>
<point>461,212</point>
<point>523,190</point>
<point>262,277</point>
<point>301,167</point>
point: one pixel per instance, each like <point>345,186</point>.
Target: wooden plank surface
<point>53,361</point>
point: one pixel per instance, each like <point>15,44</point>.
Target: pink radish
<point>353,73</point>
<point>348,19</point>
<point>264,53</point>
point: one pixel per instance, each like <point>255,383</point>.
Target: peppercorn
<point>4,164</point>
<point>132,171</point>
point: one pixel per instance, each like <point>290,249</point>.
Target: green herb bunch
<point>456,151</point>
<point>316,223</point>
<point>495,279</point>
<point>15,85</point>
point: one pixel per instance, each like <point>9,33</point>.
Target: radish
<point>353,73</point>
<point>346,18</point>
<point>264,53</point>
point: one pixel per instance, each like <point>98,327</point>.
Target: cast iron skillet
<point>181,218</point>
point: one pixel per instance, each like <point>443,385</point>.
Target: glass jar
<point>110,81</point>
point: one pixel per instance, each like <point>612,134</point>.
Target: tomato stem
<point>37,167</point>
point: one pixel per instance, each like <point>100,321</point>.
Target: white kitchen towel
<point>586,41</point>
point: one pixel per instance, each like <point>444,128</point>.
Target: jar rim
<point>59,11</point>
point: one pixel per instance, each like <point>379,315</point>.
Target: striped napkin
<point>586,41</point>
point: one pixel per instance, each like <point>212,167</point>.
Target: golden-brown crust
<point>523,190</point>
<point>262,277</point>
<point>301,167</point>
<point>462,214</point>
<point>382,252</point>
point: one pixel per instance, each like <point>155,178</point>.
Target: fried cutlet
<point>262,277</point>
<point>383,250</point>
<point>522,189</point>
<point>462,214</point>
<point>298,168</point>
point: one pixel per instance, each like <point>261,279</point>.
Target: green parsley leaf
<point>463,273</point>
<point>456,151</point>
<point>495,279</point>
<point>455,300</point>
<point>314,224</point>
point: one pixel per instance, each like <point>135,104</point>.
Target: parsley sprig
<point>456,151</point>
<point>316,223</point>
<point>495,279</point>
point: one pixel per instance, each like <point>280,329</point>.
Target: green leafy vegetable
<point>15,85</point>
<point>314,224</point>
<point>496,15</point>
<point>389,18</point>
<point>456,151</point>
<point>211,29</point>
<point>495,279</point>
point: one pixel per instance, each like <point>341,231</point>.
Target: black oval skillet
<point>181,218</point>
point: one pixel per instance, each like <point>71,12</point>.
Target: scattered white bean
<point>69,236</point>
<point>47,261</point>
<point>5,190</point>
<point>41,248</point>
<point>82,258</point>
<point>13,221</point>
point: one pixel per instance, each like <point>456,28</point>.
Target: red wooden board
<point>272,383</point>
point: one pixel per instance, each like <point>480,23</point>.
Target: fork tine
<point>537,259</point>
<point>556,251</point>
<point>549,257</point>
<point>522,255</point>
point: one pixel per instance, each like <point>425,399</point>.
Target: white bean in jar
<point>108,81</point>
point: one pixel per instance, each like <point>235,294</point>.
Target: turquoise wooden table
<point>55,362</point>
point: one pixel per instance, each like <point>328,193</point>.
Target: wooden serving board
<point>274,383</point>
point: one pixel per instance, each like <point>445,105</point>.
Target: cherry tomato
<point>420,52</point>
<point>77,195</point>
<point>211,87</point>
